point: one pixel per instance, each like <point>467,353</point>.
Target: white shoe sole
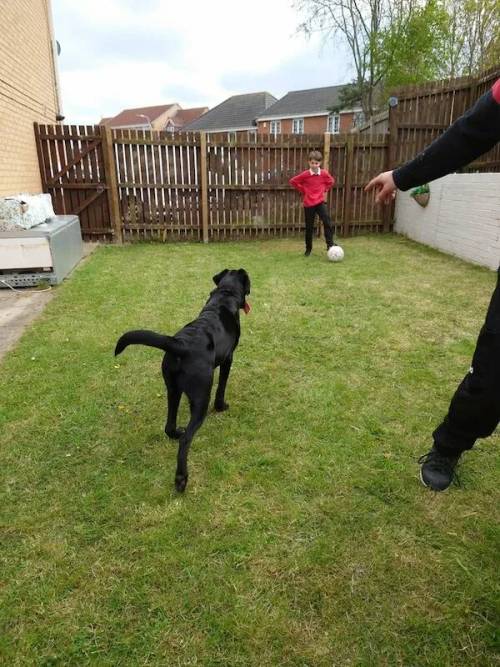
<point>430,487</point>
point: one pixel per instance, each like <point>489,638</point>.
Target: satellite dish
<point>393,101</point>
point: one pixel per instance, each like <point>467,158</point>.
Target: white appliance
<point>43,254</point>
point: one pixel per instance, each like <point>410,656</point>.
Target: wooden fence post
<point>111,182</point>
<point>349,161</point>
<point>326,151</point>
<point>326,161</point>
<point>388,209</point>
<point>204,186</point>
<point>393,136</point>
<point>41,163</point>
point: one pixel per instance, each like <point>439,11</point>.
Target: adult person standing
<point>474,410</point>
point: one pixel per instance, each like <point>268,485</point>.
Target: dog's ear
<point>217,278</point>
<point>246,280</point>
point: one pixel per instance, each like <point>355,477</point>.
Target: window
<point>275,127</point>
<point>359,119</point>
<point>298,126</point>
<point>333,123</point>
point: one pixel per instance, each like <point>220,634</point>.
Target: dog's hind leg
<point>199,407</point>
<point>174,398</point>
<point>174,394</point>
<point>219,404</point>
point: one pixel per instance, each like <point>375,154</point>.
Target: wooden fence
<point>378,124</point>
<point>423,112</point>
<point>142,184</point>
<point>138,184</point>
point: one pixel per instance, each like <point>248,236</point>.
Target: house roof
<point>105,120</point>
<point>185,116</point>
<point>132,116</point>
<point>310,101</point>
<point>237,112</point>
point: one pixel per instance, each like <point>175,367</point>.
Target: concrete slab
<point>18,309</point>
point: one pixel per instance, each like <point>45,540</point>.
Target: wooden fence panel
<point>424,112</point>
<point>158,184</point>
<point>248,191</point>
<point>336,165</point>
<point>368,159</point>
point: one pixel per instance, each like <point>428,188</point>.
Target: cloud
<point>309,69</point>
<point>126,53</point>
<point>118,38</point>
<point>108,45</point>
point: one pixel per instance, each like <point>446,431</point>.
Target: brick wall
<point>27,91</point>
<point>462,217</point>
<point>346,122</point>
<point>160,122</point>
<point>312,124</point>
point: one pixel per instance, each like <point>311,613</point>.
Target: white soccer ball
<point>335,253</point>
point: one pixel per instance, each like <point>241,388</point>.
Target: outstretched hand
<point>384,186</point>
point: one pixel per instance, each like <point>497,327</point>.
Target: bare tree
<point>364,25</point>
<point>395,42</point>
<point>358,22</point>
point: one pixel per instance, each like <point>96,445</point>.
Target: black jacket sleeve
<point>473,134</point>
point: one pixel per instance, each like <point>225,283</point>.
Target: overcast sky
<point>129,53</point>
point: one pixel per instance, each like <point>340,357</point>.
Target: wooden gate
<point>76,170</point>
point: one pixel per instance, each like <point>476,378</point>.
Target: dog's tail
<point>151,338</point>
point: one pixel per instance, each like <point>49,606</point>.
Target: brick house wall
<point>160,122</point>
<point>312,124</point>
<point>346,121</point>
<point>237,133</point>
<point>131,120</point>
<point>28,91</point>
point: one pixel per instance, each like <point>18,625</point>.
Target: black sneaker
<point>307,253</point>
<point>437,470</point>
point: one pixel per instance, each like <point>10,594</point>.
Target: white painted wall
<point>462,217</point>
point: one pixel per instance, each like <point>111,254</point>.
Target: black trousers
<point>474,410</point>
<point>322,212</point>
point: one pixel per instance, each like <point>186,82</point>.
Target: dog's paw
<point>175,434</point>
<point>181,482</point>
<point>221,406</point>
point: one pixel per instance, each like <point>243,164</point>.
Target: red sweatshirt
<point>312,186</point>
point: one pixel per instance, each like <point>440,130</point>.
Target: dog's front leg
<point>219,404</point>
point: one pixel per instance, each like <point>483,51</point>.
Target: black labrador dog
<point>193,354</point>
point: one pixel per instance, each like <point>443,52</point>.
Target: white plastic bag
<point>24,211</point>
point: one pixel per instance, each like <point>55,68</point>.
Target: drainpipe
<point>54,52</point>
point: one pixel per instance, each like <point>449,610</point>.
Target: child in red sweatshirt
<point>313,184</point>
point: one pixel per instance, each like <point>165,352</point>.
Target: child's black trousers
<point>322,212</point>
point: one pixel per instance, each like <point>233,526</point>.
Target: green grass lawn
<point>304,537</point>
